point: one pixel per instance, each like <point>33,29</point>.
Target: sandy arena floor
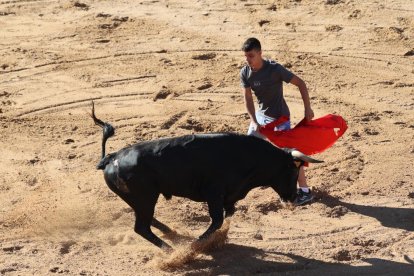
<point>161,68</point>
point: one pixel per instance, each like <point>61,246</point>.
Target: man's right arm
<point>248,100</point>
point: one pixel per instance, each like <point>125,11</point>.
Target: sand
<point>167,68</point>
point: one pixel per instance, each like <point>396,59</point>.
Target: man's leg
<point>302,179</point>
<point>304,193</point>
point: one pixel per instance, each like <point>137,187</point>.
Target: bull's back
<point>188,165</point>
<point>209,151</point>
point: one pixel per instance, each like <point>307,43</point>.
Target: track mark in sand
<point>16,70</point>
<point>70,61</point>
<point>399,85</point>
<point>365,120</point>
<point>125,119</point>
<point>114,56</point>
<point>103,41</point>
<point>12,249</point>
<point>267,207</point>
<point>80,102</point>
<point>342,255</point>
<point>65,247</point>
<point>368,117</point>
<point>352,154</point>
<point>195,100</point>
<point>27,76</point>
<point>390,82</point>
<point>55,63</point>
<point>204,56</point>
<point>397,9</point>
<point>192,124</point>
<point>64,36</point>
<point>322,233</point>
<point>81,6</point>
<point>368,58</point>
<point>336,212</point>
<point>209,56</point>
<point>121,239</point>
<point>22,1</point>
<point>130,79</point>
<point>7,13</point>
<point>173,120</point>
<point>340,174</point>
<point>187,51</point>
<point>371,132</point>
<point>163,94</point>
<point>9,269</point>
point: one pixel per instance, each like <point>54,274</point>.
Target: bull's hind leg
<point>144,213</point>
<point>215,209</point>
<point>142,227</point>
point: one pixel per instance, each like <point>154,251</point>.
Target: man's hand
<point>309,114</point>
<point>257,127</point>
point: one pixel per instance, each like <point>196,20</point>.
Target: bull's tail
<point>108,131</point>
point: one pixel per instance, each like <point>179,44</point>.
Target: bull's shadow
<point>401,218</point>
<point>235,259</point>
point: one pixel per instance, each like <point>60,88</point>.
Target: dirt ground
<point>162,68</point>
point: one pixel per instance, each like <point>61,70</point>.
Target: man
<point>265,78</point>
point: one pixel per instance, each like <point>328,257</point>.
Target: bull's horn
<point>304,157</point>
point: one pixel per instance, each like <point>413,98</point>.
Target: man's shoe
<point>303,197</point>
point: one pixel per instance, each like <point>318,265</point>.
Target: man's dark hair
<point>250,44</point>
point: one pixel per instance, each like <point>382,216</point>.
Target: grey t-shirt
<point>267,85</point>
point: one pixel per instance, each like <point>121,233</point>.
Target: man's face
<point>254,58</point>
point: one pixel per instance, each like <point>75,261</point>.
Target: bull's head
<point>288,190</point>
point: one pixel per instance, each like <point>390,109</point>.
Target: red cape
<point>310,137</point>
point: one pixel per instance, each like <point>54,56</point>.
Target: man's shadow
<point>393,217</point>
<point>234,259</point>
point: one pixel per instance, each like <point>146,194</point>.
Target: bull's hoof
<point>230,212</point>
<point>166,248</point>
<point>203,237</point>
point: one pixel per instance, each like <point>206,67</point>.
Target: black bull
<point>219,169</point>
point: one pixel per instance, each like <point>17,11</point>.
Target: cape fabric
<point>310,137</point>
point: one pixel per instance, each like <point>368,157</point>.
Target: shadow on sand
<point>401,218</point>
<point>244,260</point>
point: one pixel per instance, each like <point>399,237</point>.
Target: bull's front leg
<point>161,226</point>
<point>229,209</point>
<point>215,209</point>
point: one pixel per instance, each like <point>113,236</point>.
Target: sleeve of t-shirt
<point>284,73</point>
<point>243,78</point>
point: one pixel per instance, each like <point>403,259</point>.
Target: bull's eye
<point>297,164</point>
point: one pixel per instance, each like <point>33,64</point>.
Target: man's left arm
<point>305,96</point>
